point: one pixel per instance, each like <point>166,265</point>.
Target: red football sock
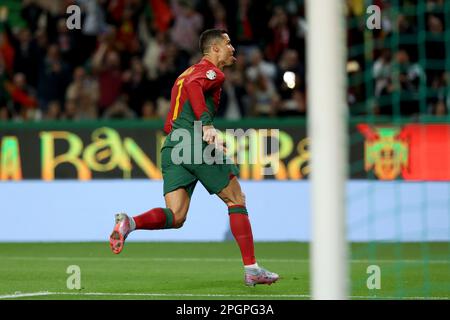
<point>157,218</point>
<point>242,232</point>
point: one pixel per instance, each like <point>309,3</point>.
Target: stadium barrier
<point>279,211</point>
<point>399,187</point>
<point>126,150</point>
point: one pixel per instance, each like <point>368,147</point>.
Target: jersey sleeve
<point>196,88</point>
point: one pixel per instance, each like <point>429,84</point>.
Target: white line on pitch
<point>49,293</point>
<point>23,295</point>
<point>174,259</point>
<point>192,295</point>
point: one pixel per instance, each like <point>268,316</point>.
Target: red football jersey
<point>195,96</point>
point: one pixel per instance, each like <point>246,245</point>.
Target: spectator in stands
<point>155,47</point>
<point>406,27</point>
<point>214,14</point>
<point>410,77</point>
<point>168,70</point>
<point>5,114</point>
<point>137,44</point>
<point>290,85</point>
<point>231,105</point>
<point>23,97</point>
<point>25,53</point>
<point>382,71</point>
<point>127,38</point>
<point>263,97</point>
<point>138,88</point>
<point>186,29</point>
<point>260,66</point>
<point>293,105</point>
<point>439,95</point>
<point>31,12</point>
<point>66,42</point>
<point>440,109</point>
<point>83,91</point>
<point>220,17</point>
<point>94,24</point>
<point>409,72</point>
<point>148,111</point>
<point>435,47</point>
<point>42,44</point>
<point>4,95</point>
<point>54,77</point>
<point>87,108</point>
<point>234,103</point>
<point>280,34</point>
<point>119,109</point>
<point>53,111</point>
<point>106,66</point>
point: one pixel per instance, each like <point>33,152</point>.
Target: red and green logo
<point>385,151</point>
<point>419,152</point>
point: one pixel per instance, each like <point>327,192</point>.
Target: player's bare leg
<point>178,201</point>
<point>173,216</point>
<point>240,226</point>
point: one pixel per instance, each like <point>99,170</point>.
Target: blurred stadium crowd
<point>123,61</point>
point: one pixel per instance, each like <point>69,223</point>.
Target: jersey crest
<point>211,74</point>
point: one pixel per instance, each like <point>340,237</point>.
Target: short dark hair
<point>208,36</point>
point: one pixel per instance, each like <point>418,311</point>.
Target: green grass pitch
<point>203,271</point>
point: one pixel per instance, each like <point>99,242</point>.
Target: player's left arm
<point>210,133</point>
<point>196,89</point>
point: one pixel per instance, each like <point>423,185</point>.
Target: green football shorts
<point>214,177</point>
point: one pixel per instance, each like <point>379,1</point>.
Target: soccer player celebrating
<point>195,97</point>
